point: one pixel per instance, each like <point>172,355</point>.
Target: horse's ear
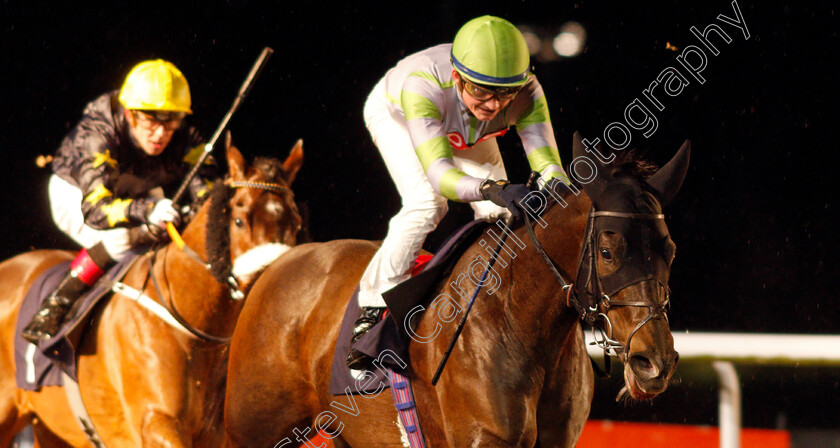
<point>293,163</point>
<point>598,180</point>
<point>236,163</point>
<point>667,181</point>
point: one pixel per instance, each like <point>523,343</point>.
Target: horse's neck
<point>561,238</point>
<point>197,295</point>
<point>529,308</point>
<point>535,294</point>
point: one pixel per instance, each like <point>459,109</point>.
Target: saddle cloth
<point>386,341</point>
<point>41,365</point>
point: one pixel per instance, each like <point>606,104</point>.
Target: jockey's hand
<point>163,212</point>
<point>505,194</point>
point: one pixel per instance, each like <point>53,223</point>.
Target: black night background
<point>755,223</point>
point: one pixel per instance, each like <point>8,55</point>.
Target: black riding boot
<point>47,321</point>
<point>88,266</point>
<point>367,319</point>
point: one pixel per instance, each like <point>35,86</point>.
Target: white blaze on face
<point>256,259</point>
<point>274,207</point>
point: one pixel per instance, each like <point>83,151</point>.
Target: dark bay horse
<point>519,375</point>
<point>144,382</point>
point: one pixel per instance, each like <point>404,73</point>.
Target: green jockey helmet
<point>491,51</point>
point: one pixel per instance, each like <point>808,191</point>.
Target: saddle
<point>388,335</point>
<point>42,365</point>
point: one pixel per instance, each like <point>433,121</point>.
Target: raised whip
<point>208,148</point>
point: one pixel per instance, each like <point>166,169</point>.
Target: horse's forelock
<point>270,170</point>
<point>633,163</point>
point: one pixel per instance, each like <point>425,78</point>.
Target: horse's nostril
<point>642,366</point>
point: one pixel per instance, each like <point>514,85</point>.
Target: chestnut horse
<point>519,375</point>
<point>143,382</point>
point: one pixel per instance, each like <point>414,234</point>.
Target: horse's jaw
<point>252,262</point>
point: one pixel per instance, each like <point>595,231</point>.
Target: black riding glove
<point>505,194</point>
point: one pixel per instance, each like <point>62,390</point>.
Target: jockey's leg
<point>103,248</point>
<point>85,270</point>
<point>422,210</point>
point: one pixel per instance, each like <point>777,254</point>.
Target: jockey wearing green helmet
<point>490,51</point>
<point>434,118</point>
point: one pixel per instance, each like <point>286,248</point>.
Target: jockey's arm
<point>95,173</point>
<point>422,104</point>
<point>534,128</point>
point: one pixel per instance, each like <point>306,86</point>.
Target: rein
<point>235,291</point>
<point>598,310</point>
<point>170,306</point>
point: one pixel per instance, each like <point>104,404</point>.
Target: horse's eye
<point>606,254</point>
<point>238,222</point>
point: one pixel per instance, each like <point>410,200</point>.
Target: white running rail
<point>723,348</point>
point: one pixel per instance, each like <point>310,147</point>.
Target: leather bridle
<point>595,313</point>
<point>235,290</point>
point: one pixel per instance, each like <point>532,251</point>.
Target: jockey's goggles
<point>482,93</point>
<point>151,119</point>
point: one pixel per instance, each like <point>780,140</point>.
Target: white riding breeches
<point>65,205</point>
<point>422,207</point>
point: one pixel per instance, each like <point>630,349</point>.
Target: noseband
<point>595,313</point>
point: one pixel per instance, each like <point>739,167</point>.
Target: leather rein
<point>235,290</point>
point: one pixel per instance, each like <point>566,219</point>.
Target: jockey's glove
<point>163,212</point>
<point>505,194</point>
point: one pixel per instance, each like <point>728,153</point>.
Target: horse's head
<point>625,267</point>
<point>255,209</point>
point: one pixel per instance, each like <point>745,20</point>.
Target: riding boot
<point>88,266</point>
<point>367,319</point>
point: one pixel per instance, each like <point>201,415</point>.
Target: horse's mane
<point>632,163</point>
<point>217,237</point>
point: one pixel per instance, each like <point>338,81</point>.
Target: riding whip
<point>243,91</point>
<point>532,179</point>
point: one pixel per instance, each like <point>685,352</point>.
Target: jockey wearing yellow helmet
<point>435,118</point>
<point>111,175</point>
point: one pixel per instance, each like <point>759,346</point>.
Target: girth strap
<point>77,406</point>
